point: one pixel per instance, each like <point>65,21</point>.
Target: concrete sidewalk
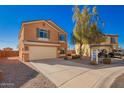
<point>68,74</point>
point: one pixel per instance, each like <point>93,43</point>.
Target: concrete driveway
<point>69,74</point>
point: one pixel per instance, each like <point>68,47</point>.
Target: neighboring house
<point>110,44</point>
<point>7,49</point>
<point>71,52</point>
<point>40,40</point>
<point>8,52</point>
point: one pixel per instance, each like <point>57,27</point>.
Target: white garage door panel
<point>42,52</point>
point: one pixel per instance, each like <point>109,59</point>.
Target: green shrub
<point>93,63</point>
<point>75,56</point>
<point>107,60</point>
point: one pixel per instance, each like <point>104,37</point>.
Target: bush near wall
<point>8,54</point>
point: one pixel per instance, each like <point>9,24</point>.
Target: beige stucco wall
<point>108,40</point>
<point>21,45</point>
<point>29,33</point>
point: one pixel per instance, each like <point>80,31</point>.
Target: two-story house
<point>40,40</point>
<point>110,44</point>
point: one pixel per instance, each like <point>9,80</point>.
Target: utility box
<point>94,56</point>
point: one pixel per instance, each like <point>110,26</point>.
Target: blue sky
<point>11,18</point>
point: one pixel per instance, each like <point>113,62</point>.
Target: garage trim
<point>37,43</point>
<point>42,52</point>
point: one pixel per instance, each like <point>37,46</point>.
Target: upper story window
<point>62,37</point>
<point>43,34</point>
<point>113,40</point>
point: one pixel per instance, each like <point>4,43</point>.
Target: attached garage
<point>42,52</point>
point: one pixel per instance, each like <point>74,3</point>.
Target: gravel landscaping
<point>38,82</point>
<point>119,82</point>
<point>18,74</point>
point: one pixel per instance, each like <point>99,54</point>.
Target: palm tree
<point>86,30</point>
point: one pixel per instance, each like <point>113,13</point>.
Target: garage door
<point>42,52</point>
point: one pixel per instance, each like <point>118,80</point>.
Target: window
<point>113,40</point>
<point>62,51</point>
<point>62,37</point>
<point>42,33</point>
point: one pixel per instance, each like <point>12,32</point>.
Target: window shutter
<point>48,34</point>
<point>37,32</point>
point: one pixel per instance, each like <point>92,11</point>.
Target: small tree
<point>86,30</point>
<point>81,20</point>
<point>95,34</point>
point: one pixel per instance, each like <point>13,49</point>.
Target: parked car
<point>103,53</point>
<point>119,53</point>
